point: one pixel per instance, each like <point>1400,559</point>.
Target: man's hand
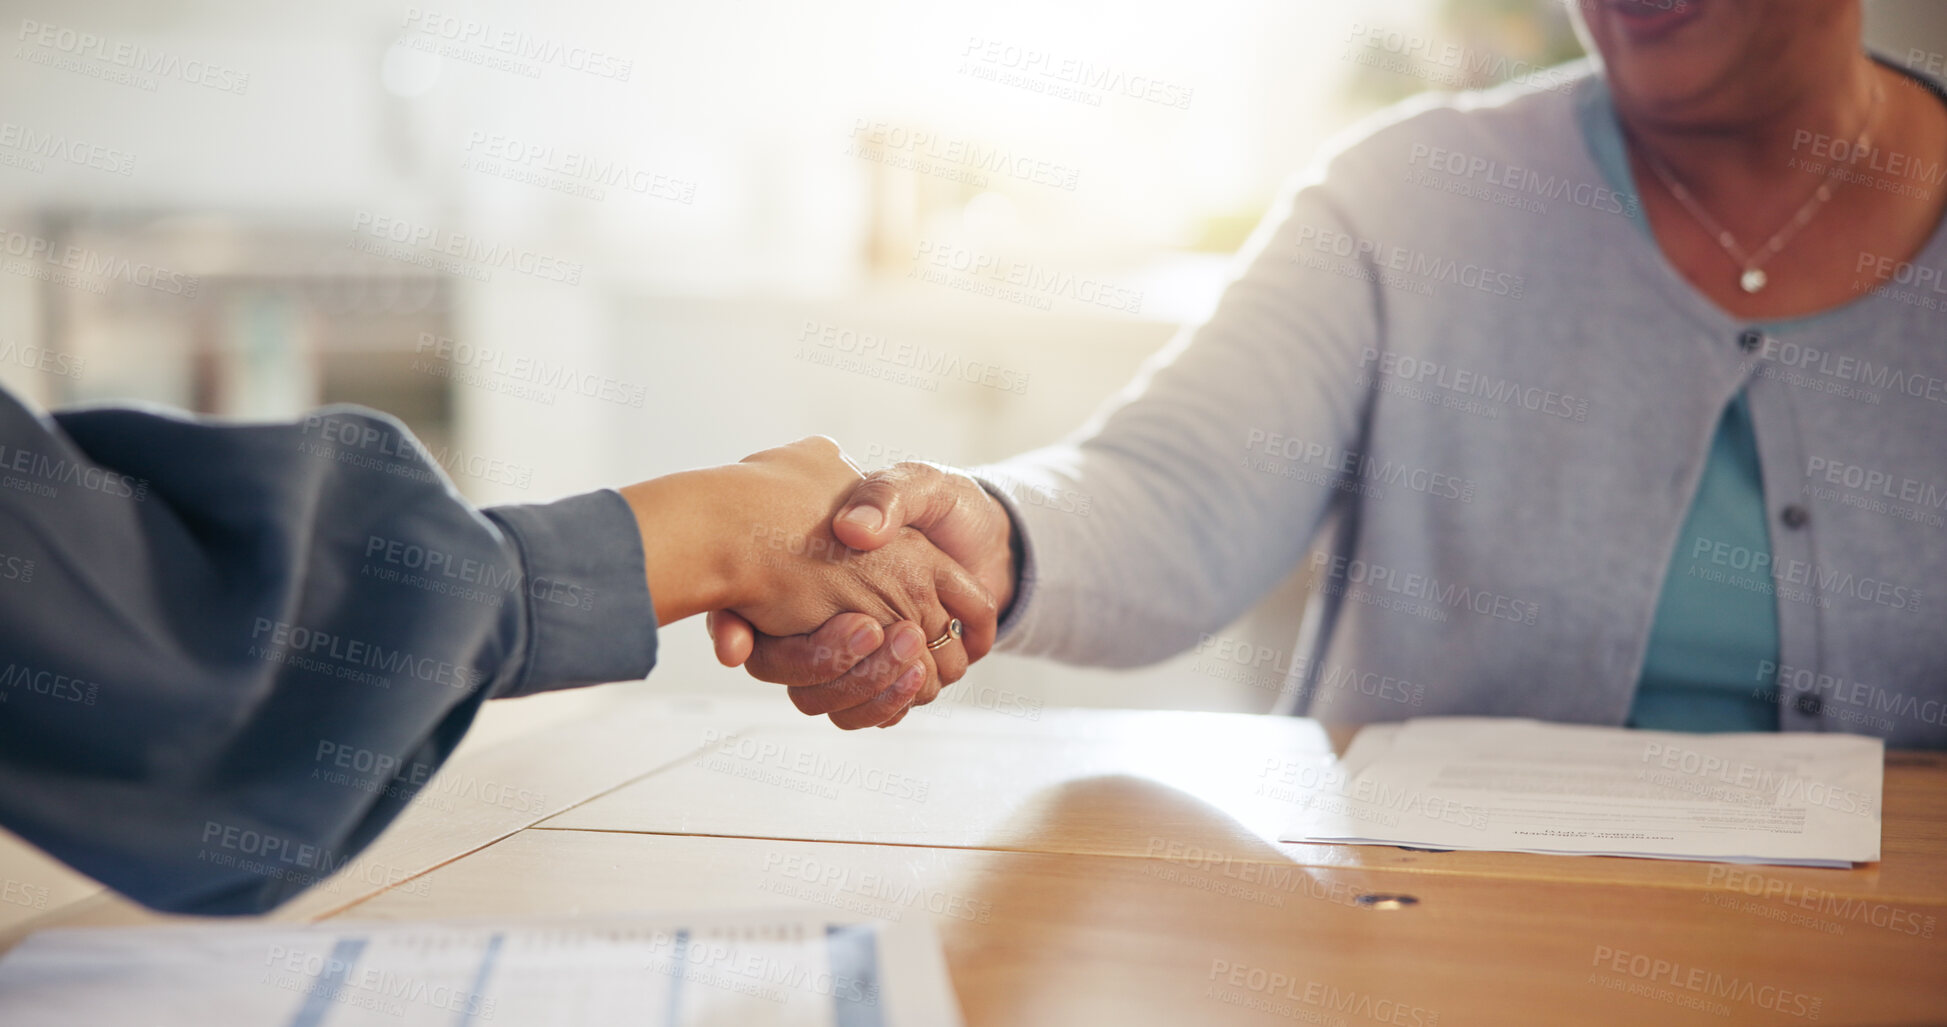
<point>827,668</point>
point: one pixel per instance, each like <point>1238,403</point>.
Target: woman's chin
<point>1698,81</point>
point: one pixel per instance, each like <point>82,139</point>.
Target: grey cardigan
<point>1458,377</point>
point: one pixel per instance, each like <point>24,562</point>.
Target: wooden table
<point>1089,867</point>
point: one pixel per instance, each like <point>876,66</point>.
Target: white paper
<point>1529,786</point>
<point>697,970</point>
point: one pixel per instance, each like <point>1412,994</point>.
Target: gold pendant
<point>1752,280</point>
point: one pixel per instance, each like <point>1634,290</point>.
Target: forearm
<point>1181,505</point>
<point>207,613</point>
<point>1122,566</point>
<point>1092,587</point>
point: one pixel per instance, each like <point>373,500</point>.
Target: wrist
<point>1003,580</point>
<point>1011,577</point>
<point>690,544</point>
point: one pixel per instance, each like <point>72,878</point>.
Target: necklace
<point>1753,279</point>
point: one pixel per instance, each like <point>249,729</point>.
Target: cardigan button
<point>1795,516</point>
<point>1750,339</point>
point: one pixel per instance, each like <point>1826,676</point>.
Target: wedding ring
<point>953,629</point>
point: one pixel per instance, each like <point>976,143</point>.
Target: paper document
<point>1571,789</point>
<point>732,969</point>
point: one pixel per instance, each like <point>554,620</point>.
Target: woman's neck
<point>1756,177</point>
<point>1749,172</point>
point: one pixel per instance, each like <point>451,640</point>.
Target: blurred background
<point>583,243</point>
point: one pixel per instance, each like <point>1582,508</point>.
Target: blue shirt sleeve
<point>231,654</point>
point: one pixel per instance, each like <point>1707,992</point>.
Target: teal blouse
<point>1715,638</point>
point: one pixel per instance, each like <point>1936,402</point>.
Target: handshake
<point>866,594</point>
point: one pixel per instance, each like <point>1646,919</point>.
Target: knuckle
<point>918,580</point>
<point>975,601</point>
<point>878,488</point>
<point>920,473</point>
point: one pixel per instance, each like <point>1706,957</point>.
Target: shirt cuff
<point>1025,576</point>
<point>588,615</point>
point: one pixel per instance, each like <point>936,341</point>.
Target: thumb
<point>888,500</point>
<point>733,636</point>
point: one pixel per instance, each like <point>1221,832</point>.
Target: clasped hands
<point>817,576</point>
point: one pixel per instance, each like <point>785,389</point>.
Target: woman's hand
<point>756,538</point>
<point>954,512</point>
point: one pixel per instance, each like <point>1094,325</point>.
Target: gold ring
<point>953,629</point>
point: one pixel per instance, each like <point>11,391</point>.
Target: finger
<point>917,494</point>
<point>929,690</point>
<point>905,645</point>
<point>945,663</point>
<point>949,655</point>
<point>967,600</point>
<point>945,631</point>
<point>732,636</point>
<point>887,704</point>
<point>901,715</point>
<point>929,686</point>
<point>829,652</point>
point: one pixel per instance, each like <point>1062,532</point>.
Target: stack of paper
<point>1529,786</point>
<point>734,969</point>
